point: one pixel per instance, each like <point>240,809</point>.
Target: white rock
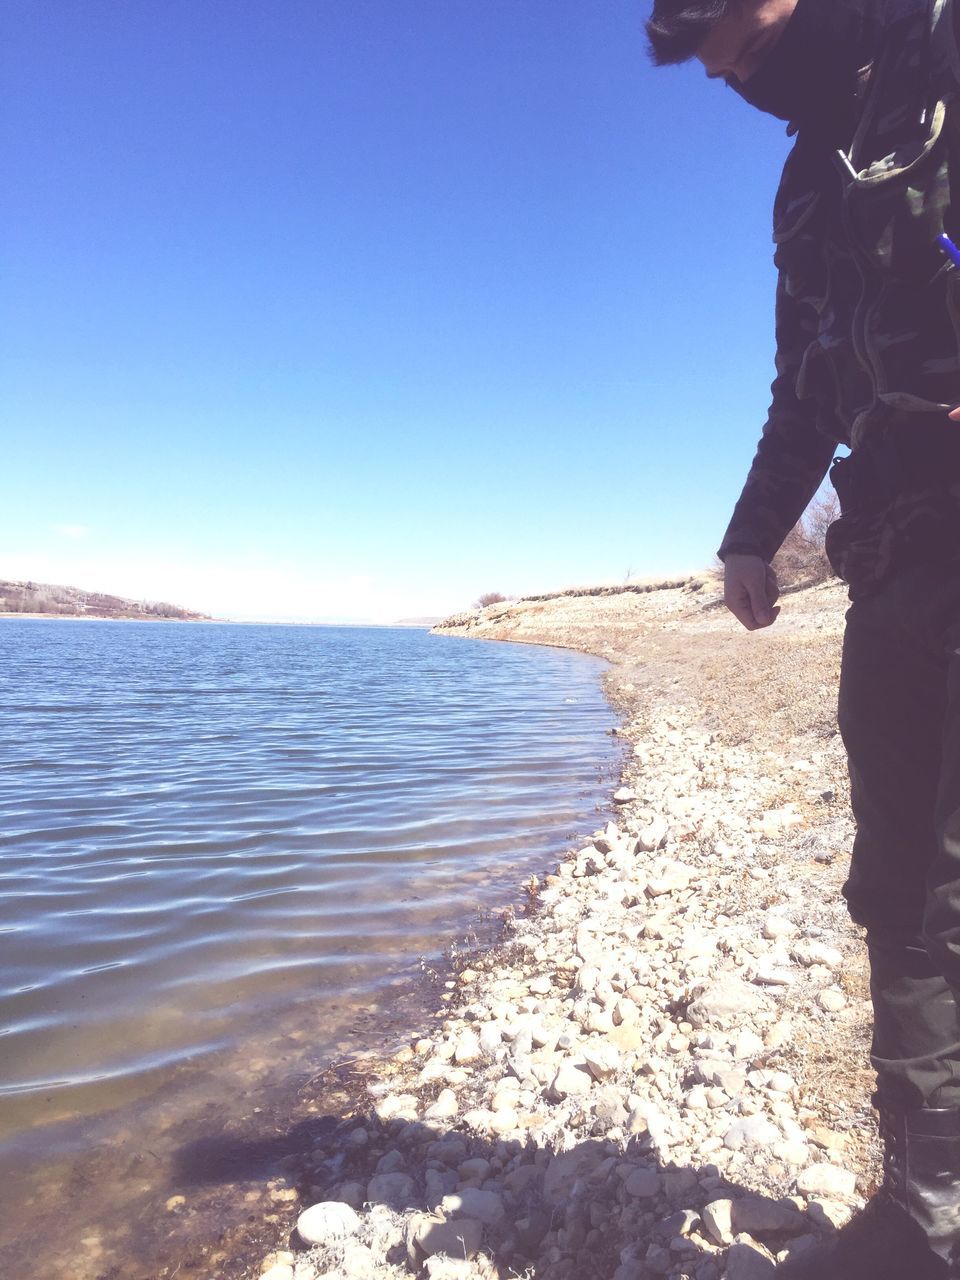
<point>393,1104</point>
<point>792,1152</point>
<point>436,1069</point>
<point>827,1181</point>
<point>624,795</point>
<point>717,1217</point>
<point>472,1202</point>
<point>726,1002</point>
<point>653,834</point>
<point>696,945</point>
<point>831,1000</point>
<point>572,1079</point>
<point>303,1269</point>
<point>358,1262</point>
<point>668,876</point>
<point>597,1021</point>
<point>776,926</point>
<point>809,951</point>
<point>829,1214</point>
<point>781,1082</point>
<point>326,1222</point>
<point>747,1045</point>
<point>541,986</point>
<point>467,1049</point>
<point>768,975</point>
<point>602,1059</point>
<point>776,821</point>
<point>440,1267</point>
<point>503,1120</point>
<point>491,1038</point>
<point>587,979</point>
<point>280,1271</point>
<point>478,1119</point>
<point>625,1012</point>
<point>445,1107</point>
<point>780,1034</point>
<point>396,1190</point>
<point>751,1131</point>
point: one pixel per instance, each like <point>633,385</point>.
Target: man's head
<point>730,37</point>
<point>798,60</point>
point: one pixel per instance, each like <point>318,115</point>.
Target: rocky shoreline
<point>661,1069</point>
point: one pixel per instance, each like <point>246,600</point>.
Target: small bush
<point>489,597</point>
<point>802,560</point>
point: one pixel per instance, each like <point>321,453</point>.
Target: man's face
<point>740,41</point>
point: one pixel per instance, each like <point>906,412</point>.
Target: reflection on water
<point>218,842</point>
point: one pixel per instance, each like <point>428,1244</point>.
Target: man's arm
<point>791,460</point>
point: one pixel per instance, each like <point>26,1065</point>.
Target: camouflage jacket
<point>868,308</point>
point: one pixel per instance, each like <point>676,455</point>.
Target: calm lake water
<point>218,844</point>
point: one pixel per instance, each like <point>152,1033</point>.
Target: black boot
<point>910,1230</point>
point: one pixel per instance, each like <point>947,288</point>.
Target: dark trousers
<point>900,721</point>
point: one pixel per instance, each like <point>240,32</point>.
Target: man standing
<point>868,356</point>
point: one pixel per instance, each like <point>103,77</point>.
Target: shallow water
<point>219,844</point>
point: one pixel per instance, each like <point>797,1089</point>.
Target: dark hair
<point>677,29</point>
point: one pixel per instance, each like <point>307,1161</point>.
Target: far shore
<point>103,617</point>
<point>231,622</point>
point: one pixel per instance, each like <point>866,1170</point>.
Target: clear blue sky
<point>358,308</point>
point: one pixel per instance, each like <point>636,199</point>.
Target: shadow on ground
<point>606,1208</point>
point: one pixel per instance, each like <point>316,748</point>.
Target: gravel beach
<point>661,1068</point>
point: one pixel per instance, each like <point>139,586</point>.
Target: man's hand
<point>751,591</point>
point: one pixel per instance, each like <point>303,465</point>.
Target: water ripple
<point>203,824</point>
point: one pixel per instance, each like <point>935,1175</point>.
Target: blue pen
<point>949,248</point>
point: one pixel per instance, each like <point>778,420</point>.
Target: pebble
<point>572,1079</point>
<point>445,1107</point>
<point>809,951</point>
<point>744,1262</point>
<point>827,1181</point>
<point>751,1131</point>
<point>279,1271</point>
<point>459,1239</point>
<point>726,1002</point>
<point>831,1000</point>
<point>643,1184</point>
<point>395,1190</point>
<point>759,1216</point>
<point>668,876</point>
<point>602,1059</point>
<point>468,1049</point>
<point>473,1202</point>
<point>718,1219</point>
<point>775,926</point>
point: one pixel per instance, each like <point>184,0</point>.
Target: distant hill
<point>71,602</point>
<point>417,622</point>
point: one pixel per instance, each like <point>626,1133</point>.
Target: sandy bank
<point>661,1070</point>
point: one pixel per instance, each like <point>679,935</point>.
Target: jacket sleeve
<point>792,457</point>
